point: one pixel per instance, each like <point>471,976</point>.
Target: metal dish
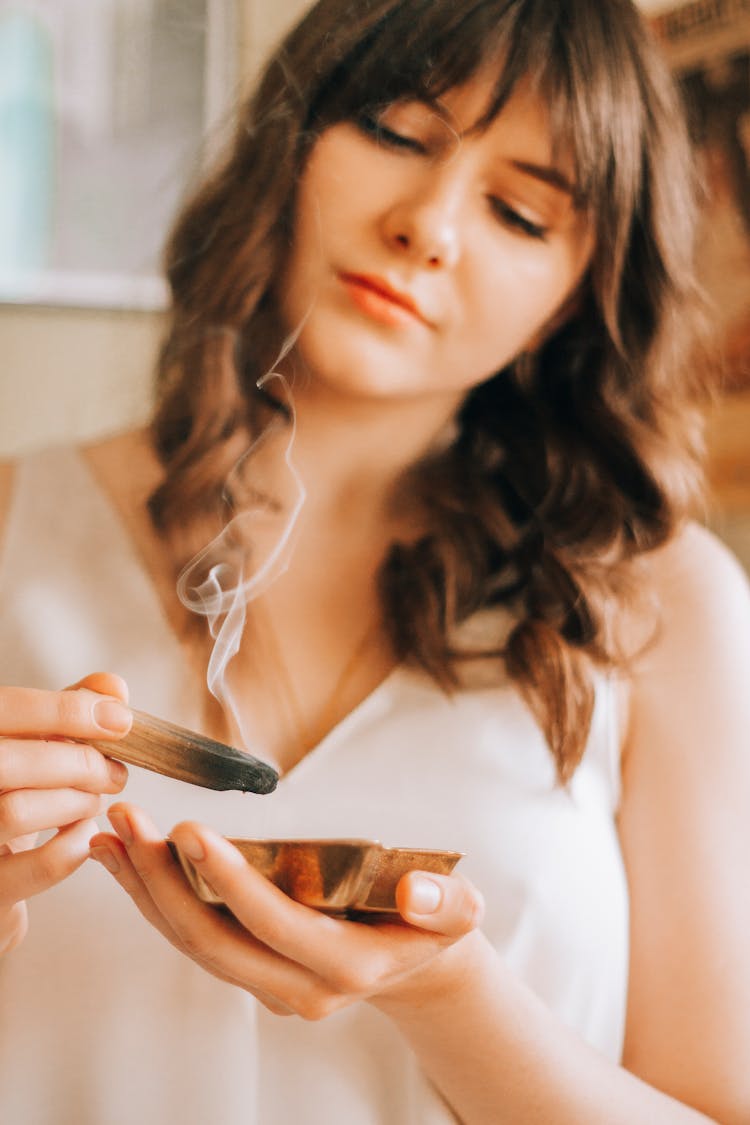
<point>335,876</point>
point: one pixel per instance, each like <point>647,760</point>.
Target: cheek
<point>349,190</point>
<point>522,293</point>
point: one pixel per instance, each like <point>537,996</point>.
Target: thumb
<point>105,683</point>
<point>443,904</point>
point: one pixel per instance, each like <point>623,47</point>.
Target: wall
<point>77,374</point>
<point>80,373</point>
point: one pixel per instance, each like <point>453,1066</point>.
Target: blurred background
<point>108,108</point>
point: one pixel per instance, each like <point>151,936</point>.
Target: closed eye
<point>514,219</point>
<point>389,138</point>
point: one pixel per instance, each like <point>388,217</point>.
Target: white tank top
<point>103,1023</point>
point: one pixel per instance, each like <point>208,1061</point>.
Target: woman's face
<point>428,254</point>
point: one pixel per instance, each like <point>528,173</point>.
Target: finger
<point>105,683</point>
<point>35,810</point>
<point>109,851</point>
<point>351,958</point>
<point>67,714</point>
<point>211,937</point>
<point>151,876</point>
<point>28,873</point>
<point>20,843</point>
<point>258,904</point>
<point>35,764</point>
<point>442,904</point>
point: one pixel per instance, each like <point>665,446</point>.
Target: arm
<point>685,831</point>
<point>493,1049</point>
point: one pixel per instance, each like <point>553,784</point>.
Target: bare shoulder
<point>697,562</point>
<point>703,599</point>
<point>126,466</point>
<point>133,448</point>
<point>694,668</point>
<point>685,832</point>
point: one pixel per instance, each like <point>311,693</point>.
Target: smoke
<point>254,547</point>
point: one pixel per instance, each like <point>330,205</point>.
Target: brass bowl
<point>336,876</point>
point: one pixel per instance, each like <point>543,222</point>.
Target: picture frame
<point>104,113</point>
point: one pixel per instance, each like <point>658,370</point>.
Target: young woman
<point>432,348</point>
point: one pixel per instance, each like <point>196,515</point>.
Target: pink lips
<point>380,300</point>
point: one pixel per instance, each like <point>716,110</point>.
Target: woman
<point>440,289</point>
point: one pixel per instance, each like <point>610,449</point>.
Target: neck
<point>351,452</point>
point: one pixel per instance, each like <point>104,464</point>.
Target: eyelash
<point>373,128</point>
<point>514,219</point>
<point>400,142</point>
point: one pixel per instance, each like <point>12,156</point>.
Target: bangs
<point>566,52</point>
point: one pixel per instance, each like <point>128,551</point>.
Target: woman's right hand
<point>48,782</point>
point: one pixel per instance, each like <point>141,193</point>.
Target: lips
<point>381,300</point>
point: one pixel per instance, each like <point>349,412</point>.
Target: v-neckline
<point>189,665</point>
<point>357,714</point>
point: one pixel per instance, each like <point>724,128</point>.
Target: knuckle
<point>70,710</point>
<point>477,913</point>
<point>317,1005</point>
<point>13,807</point>
<point>47,868</point>
<point>8,763</point>
<point>272,1003</point>
<point>55,860</point>
<point>91,764</point>
<point>197,949</point>
<point>467,913</point>
<point>473,909</point>
<point>276,1008</point>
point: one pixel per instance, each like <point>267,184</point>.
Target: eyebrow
<point>547,174</point>
<point>544,172</point>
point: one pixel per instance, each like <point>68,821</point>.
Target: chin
<point>354,365</point>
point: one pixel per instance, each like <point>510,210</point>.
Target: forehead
<point>469,109</point>
<point>566,50</point>
<point>522,128</point>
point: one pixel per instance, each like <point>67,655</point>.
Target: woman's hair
<point>568,463</point>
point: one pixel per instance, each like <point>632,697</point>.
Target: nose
<point>424,223</point>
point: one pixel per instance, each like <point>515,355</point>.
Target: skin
<point>47,783</point>
<point>489,251</point>
<point>367,408</point>
<point>685,839</point>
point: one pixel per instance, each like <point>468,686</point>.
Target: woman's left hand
<point>294,959</point>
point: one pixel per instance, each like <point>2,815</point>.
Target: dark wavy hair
<point>566,465</point>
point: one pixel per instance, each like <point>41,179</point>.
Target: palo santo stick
<point>186,755</point>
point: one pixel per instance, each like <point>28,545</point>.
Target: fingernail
<point>425,896</point>
<point>107,859</point>
<point>121,825</point>
<point>117,771</point>
<point>191,846</point>
<point>112,716</point>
